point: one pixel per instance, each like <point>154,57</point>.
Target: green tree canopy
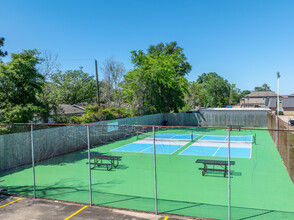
<point>20,84</point>
<point>264,87</point>
<point>157,82</point>
<point>2,53</point>
<point>196,96</point>
<point>244,92</point>
<point>71,87</point>
<point>217,89</point>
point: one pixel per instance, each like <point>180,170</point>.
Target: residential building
<point>286,105</point>
<point>72,110</point>
<point>256,99</point>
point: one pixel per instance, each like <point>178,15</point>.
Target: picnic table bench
<point>236,127</point>
<point>105,160</point>
<point>221,163</point>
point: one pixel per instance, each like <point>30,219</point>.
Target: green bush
<point>75,120</point>
<point>5,130</point>
<point>100,113</point>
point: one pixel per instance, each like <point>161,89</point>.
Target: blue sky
<point>244,41</point>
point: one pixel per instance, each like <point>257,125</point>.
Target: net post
<point>229,176</point>
<point>89,162</point>
<point>192,136</point>
<point>155,181</point>
<point>33,159</point>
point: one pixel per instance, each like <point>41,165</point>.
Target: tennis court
<point>217,146</point>
<point>164,144</point>
<point>260,185</point>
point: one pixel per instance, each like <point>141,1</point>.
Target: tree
<point>113,76</point>
<point>234,94</point>
<point>195,96</point>
<point>49,64</point>
<point>217,89</point>
<point>264,87</point>
<point>157,83</point>
<point>73,86</point>
<point>2,53</point>
<point>244,92</point>
<point>20,85</point>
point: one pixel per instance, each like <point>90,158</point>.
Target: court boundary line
<point>10,203</point>
<point>142,151</point>
<point>216,151</point>
<point>76,212</point>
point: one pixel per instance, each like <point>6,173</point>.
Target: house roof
<point>286,102</point>
<point>272,103</point>
<point>262,94</point>
<point>289,102</point>
<point>71,109</point>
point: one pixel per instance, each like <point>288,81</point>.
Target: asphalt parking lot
<point>21,208</point>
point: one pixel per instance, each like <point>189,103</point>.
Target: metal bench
<point>235,127</point>
<point>221,163</point>
<point>105,160</point>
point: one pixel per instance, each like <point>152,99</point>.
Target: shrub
<point>100,113</point>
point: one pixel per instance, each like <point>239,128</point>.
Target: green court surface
<point>260,186</point>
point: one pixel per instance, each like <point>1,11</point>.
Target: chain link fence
<point>229,172</point>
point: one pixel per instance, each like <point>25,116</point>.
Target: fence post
<point>288,148</point>
<point>155,181</point>
<point>33,159</point>
<point>276,140</point>
<point>89,162</point>
<point>229,176</point>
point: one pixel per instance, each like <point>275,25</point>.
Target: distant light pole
<point>278,106</point>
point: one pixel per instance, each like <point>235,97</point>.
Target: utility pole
<point>97,84</point>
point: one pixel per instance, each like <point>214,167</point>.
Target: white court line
<point>216,151</point>
<point>146,148</point>
<point>250,151</point>
<point>142,151</point>
<point>184,150</point>
<point>173,136</point>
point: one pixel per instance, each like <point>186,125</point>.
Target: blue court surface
<point>217,146</point>
<point>134,147</point>
<point>164,144</point>
<point>215,151</point>
<point>225,138</point>
<point>148,148</point>
<point>175,136</point>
